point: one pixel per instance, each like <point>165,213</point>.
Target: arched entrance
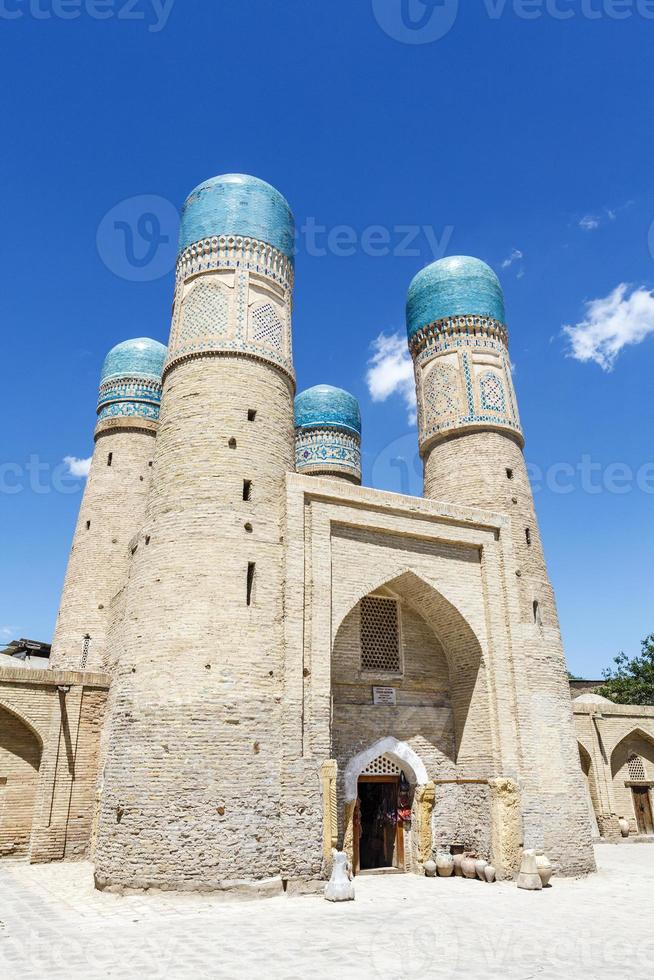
<point>591,790</point>
<point>380,785</point>
<point>20,756</point>
<point>632,771</point>
<point>410,693</point>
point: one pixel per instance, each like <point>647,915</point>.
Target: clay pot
<point>444,863</point>
<point>624,826</point>
<point>458,861</point>
<point>430,868</point>
<point>545,869</point>
<point>529,877</point>
<point>480,867</point>
<point>469,866</point>
<point>489,873</point>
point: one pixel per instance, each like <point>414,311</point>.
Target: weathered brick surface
<point>191,791</point>
<point>50,725</point>
<point>607,735</point>
<point>114,504</point>
<point>20,753</point>
<point>222,714</point>
<point>487,469</point>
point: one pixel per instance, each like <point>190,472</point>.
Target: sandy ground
<point>53,924</point>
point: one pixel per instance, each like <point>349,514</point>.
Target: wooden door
<point>643,808</point>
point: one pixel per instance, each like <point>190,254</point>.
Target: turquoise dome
<point>142,357</point>
<point>456,286</point>
<point>324,407</point>
<point>236,204</point>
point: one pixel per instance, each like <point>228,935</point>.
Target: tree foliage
<point>631,681</point>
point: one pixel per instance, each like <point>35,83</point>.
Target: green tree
<point>632,680</point>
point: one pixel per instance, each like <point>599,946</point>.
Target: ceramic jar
<point>458,861</point>
<point>430,868</point>
<point>469,866</point>
<point>444,863</point>
<point>624,826</point>
<point>490,873</point>
<point>545,869</point>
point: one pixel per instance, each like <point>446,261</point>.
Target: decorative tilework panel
<point>440,393</point>
<point>492,396</point>
<point>266,326</point>
<point>205,312</point>
<point>129,409</point>
<point>328,449</point>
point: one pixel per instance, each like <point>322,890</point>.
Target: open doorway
<point>379,843</point>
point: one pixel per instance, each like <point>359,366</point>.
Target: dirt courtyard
<point>54,924</point>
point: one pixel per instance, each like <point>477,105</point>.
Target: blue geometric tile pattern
<point>455,286</point>
<point>141,357</point>
<point>326,407</point>
<point>130,384</point>
<point>237,204</point>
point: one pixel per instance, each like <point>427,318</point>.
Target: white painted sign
<point>384,695</point>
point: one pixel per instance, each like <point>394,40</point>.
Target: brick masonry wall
<point>192,781</point>
<point>607,734</point>
<point>114,506</point>
<point>423,715</point>
<point>20,754</point>
<point>50,725</point>
<point>487,469</point>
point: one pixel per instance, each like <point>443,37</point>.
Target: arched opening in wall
<point>632,771</point>
<point>381,780</point>
<point>406,665</point>
<point>591,789</point>
<point>20,757</point>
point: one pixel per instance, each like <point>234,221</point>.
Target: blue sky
<point>526,142</point>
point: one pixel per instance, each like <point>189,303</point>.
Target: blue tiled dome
<point>142,357</point>
<point>327,407</point>
<point>454,286</point>
<point>236,204</point>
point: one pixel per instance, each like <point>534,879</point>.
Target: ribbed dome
<point>237,204</point>
<point>327,407</point>
<point>455,286</point>
<point>142,357</point>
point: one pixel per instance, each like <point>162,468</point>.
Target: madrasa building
<point>258,659</point>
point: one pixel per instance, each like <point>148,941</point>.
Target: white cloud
<point>7,631</point>
<point>390,371</point>
<point>515,256</point>
<point>590,222</point>
<point>616,321</point>
<point>78,467</point>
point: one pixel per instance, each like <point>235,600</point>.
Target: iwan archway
<point>411,715</point>
<point>20,758</point>
<point>632,771</point>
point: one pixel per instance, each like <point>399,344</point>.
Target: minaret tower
<point>328,433</point>
<point>471,443</point>
<point>114,501</point>
<point>192,782</point>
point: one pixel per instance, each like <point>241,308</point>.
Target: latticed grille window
<point>266,327</point>
<point>636,767</point>
<point>380,634</point>
<point>382,766</point>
